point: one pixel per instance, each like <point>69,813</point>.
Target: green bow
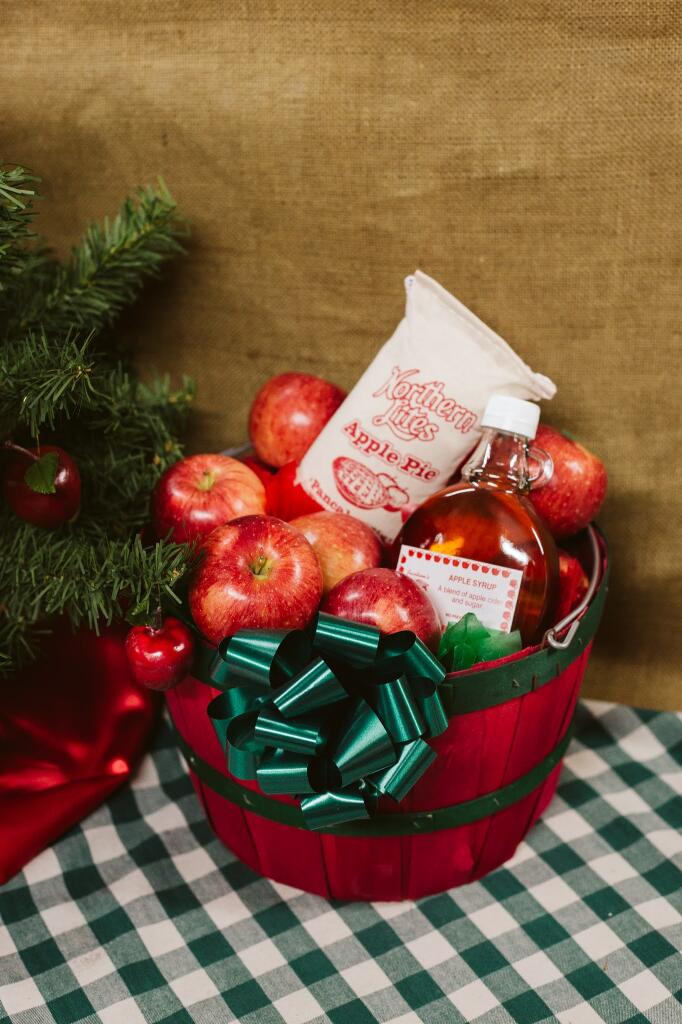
<point>336,714</point>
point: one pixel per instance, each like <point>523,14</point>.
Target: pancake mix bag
<point>414,415</point>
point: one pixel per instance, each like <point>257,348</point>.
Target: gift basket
<point>496,770</point>
<point>380,652</point>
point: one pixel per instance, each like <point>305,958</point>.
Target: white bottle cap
<point>512,415</point>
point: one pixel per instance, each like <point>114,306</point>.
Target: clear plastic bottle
<point>487,530</point>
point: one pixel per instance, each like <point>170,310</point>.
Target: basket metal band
<point>411,823</point>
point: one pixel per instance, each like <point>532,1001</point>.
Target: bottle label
<point>456,586</point>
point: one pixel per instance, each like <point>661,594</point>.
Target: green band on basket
<point>352,803</point>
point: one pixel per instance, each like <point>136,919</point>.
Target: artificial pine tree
<point>67,381</point>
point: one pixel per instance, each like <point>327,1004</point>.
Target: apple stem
<point>11,446</point>
<point>260,566</point>
<point>157,619</point>
<point>207,481</point>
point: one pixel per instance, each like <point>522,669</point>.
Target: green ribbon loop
<point>398,779</point>
<point>350,641</point>
<point>282,772</point>
<point>337,714</point>
<point>334,808</point>
<point>298,736</point>
<point>431,706</point>
<point>363,747</point>
<point>312,689</point>
<point>263,656</point>
<point>397,706</point>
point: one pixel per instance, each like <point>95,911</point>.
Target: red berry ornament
<point>42,485</point>
<point>160,657</point>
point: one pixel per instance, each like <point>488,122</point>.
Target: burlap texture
<point>526,154</point>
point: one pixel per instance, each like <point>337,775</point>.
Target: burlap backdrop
<point>524,153</point>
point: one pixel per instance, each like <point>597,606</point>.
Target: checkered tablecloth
<point>140,915</point>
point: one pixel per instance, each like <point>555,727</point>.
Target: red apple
<point>42,485</point>
<point>288,413</point>
<point>160,656</point>
<point>573,584</point>
<point>388,600</point>
<point>257,573</point>
<point>577,488</point>
<point>343,545</point>
<point>286,499</point>
<point>201,492</point>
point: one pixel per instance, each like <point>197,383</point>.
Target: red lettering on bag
<point>411,402</point>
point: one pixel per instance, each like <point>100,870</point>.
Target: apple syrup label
<point>414,415</point>
<point>456,586</point>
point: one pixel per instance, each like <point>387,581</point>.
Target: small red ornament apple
<point>288,413</point>
<point>573,584</point>
<point>42,485</point>
<point>387,600</point>
<point>343,545</point>
<point>257,572</point>
<point>201,492</point>
<point>286,499</point>
<point>574,494</point>
<point>160,656</point>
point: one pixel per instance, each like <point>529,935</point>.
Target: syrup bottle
<point>479,545</point>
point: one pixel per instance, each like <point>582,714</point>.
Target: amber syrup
<point>487,517</point>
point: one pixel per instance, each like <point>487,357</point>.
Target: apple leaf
<point>41,474</point>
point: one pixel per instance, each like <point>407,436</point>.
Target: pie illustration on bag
<point>366,489</point>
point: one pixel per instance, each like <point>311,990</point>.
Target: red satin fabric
<point>72,729</point>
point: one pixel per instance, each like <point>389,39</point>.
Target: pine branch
<point>91,579</point>
<point>16,211</point>
<point>40,381</point>
<point>58,384</point>
<point>109,266</point>
<point>124,445</point>
<point>18,260</point>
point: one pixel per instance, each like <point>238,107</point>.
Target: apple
<point>343,545</point>
<point>201,492</point>
<point>288,413</point>
<point>160,656</point>
<point>574,494</point>
<point>573,584</point>
<point>286,499</point>
<point>257,572</point>
<point>388,600</point>
<point>42,485</point>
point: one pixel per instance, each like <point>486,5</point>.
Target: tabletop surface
<point>140,915</point>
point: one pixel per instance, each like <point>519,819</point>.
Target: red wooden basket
<point>497,769</point>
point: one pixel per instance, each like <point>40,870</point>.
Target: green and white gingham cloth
<point>140,915</point>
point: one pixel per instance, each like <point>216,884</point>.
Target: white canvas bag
<point>414,415</point>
